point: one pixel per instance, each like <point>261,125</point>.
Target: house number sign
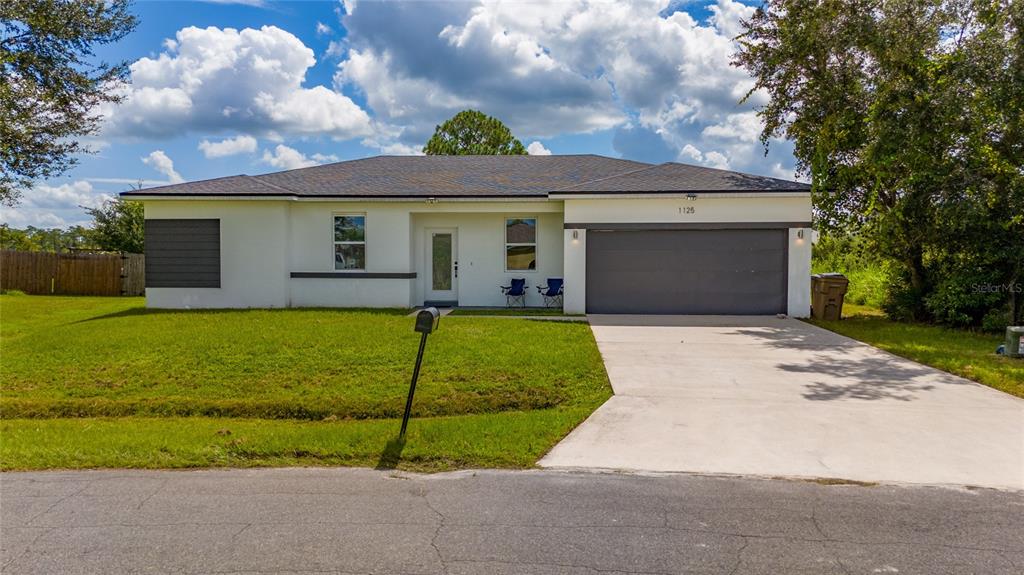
<point>687,210</point>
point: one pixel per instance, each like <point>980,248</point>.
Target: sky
<point>226,87</point>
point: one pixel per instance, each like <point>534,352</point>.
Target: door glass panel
<point>442,264</point>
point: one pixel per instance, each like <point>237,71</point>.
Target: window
<point>520,244</point>
<point>350,242</point>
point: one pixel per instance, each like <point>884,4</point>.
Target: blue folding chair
<point>515,294</point>
<point>552,293</point>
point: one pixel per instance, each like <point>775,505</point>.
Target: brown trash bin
<point>827,292</point>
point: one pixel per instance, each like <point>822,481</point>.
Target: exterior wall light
<point>691,197</point>
<point>800,234</point>
<point>575,235</point>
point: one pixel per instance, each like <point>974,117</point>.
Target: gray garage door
<point>741,272</point>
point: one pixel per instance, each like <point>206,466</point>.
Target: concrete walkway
<point>494,523</point>
<point>779,397</point>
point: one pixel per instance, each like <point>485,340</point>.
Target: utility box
<point>1013,335</point>
<point>827,293</point>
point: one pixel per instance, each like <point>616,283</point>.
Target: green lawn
<point>960,352</point>
<point>102,382</point>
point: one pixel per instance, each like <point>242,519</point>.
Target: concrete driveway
<point>779,397</point>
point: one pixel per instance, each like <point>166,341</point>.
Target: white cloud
<point>248,81</point>
<point>323,29</point>
<point>537,149</point>
<point>390,147</point>
<point>54,206</point>
<point>745,127</point>
<point>228,147</point>
<point>565,67</point>
<point>335,49</point>
<point>690,154</point>
<point>716,160</point>
<point>159,161</point>
<point>286,158</point>
<point>129,181</point>
<point>726,16</point>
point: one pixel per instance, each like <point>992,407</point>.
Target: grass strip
<point>968,354</point>
<point>503,440</point>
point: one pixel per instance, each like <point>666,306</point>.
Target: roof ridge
<point>733,172</point>
<point>626,173</point>
<point>269,185</point>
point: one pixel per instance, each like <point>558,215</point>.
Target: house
<point>627,237</point>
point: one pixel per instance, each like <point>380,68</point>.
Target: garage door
<point>741,272</point>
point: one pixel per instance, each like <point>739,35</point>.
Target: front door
<point>442,265</point>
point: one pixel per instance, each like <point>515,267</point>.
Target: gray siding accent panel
<point>357,275</point>
<point>183,253</point>
<point>735,272</point>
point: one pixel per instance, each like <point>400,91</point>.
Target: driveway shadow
<point>866,378</point>
<point>797,334</point>
<point>850,375</point>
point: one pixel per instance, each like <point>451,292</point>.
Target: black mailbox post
<point>426,322</point>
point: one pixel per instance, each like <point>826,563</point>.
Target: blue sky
<point>222,88</point>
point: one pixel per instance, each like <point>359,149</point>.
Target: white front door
<point>442,264</point>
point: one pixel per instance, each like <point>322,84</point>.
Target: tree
<point>33,239</point>
<point>15,239</point>
<point>118,226</point>
<point>473,133</point>
<point>49,88</point>
<point>907,115</point>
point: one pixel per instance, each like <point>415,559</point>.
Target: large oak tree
<point>50,86</point>
<point>908,115</point>
<point>473,133</point>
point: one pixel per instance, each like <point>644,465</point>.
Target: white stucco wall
<point>799,297</point>
<point>705,209</point>
<point>253,258</point>
<point>311,249</point>
<point>574,299</point>
<point>263,241</point>
<point>735,208</point>
<point>481,252</point>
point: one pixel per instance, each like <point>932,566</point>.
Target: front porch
<point>462,259</point>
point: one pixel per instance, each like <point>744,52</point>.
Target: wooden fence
<point>72,273</point>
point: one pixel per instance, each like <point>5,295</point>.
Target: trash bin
<point>827,292</point>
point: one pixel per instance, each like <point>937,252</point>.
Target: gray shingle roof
<point>673,177</point>
<point>475,177</point>
<point>415,177</point>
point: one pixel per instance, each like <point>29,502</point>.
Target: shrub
<point>869,277</point>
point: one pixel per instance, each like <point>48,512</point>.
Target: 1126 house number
<point>687,210</point>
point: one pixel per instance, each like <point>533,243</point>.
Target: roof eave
<point>681,194</point>
<point>335,197</point>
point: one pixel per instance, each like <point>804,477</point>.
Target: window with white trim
<point>520,244</point>
<point>350,242</point>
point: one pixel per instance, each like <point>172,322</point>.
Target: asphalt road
<point>494,522</point>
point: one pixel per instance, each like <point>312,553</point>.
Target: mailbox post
<point>426,322</point>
